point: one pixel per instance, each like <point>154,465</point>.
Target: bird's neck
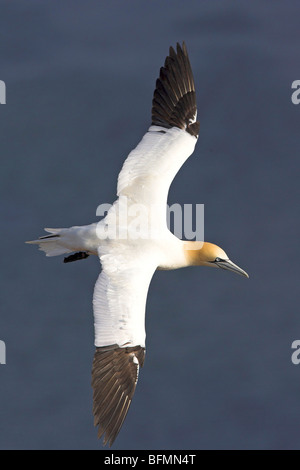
<point>196,252</point>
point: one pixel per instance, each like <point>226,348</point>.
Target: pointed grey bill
<point>230,266</point>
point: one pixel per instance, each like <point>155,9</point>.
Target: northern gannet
<point>129,262</point>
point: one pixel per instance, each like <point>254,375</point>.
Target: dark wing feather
<point>114,378</point>
<point>174,100</point>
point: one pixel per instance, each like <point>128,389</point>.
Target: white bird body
<point>127,268</point>
<point>133,240</point>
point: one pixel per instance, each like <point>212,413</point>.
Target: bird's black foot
<point>76,257</point>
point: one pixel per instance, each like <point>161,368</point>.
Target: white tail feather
<point>50,244</point>
<point>69,240</point>
<point>54,230</point>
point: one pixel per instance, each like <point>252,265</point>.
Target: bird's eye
<point>217,260</point>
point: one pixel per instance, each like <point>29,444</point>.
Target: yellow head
<point>208,254</point>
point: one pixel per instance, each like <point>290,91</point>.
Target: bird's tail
<point>51,244</point>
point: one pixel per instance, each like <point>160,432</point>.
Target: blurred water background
<point>80,77</point>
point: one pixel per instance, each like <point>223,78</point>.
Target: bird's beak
<point>227,264</point>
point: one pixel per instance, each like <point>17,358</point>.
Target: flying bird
<point>129,261</point>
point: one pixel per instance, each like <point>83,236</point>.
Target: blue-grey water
<point>80,77</point>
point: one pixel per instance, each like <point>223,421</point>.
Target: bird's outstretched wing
<point>121,289</point>
<point>150,168</point>
<point>119,313</point>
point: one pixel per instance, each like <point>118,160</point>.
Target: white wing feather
<point>120,299</point>
<point>150,168</point>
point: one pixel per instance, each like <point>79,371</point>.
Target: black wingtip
<point>114,378</point>
<point>174,100</point>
